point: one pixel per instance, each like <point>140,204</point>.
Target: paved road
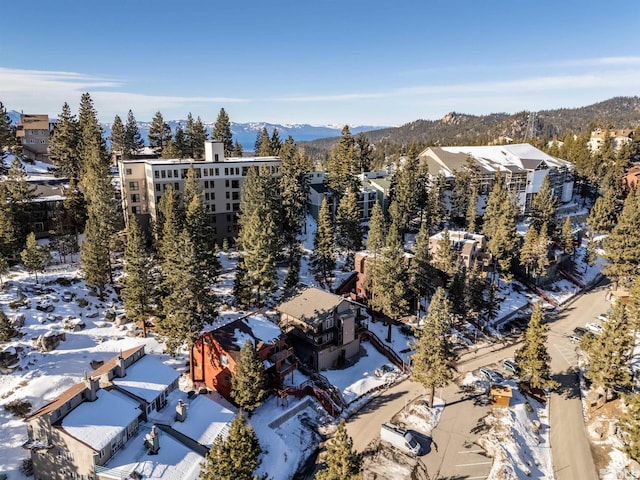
<point>572,457</point>
<point>456,456</point>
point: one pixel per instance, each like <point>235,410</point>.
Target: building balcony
<point>37,445</point>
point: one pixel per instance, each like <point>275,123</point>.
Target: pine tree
<point>180,145</point>
<point>462,183</point>
<point>237,150</point>
<point>342,461</point>
<point>195,135</point>
<point>168,223</point>
<point>323,257</point>
<point>258,235</point>
<point>567,238</point>
<point>183,312</point>
<point>341,169</point>
<point>532,359</point>
<point>241,286</point>
<point>19,194</point>
<point>610,353</point>
<point>633,307</point>
<point>118,137</point>
<point>7,135</point>
<point>390,286</point>
<point>75,208</point>
<point>293,189</point>
<point>138,281</point>
<point>91,145</point>
<point>236,457</point>
<point>472,210</point>
<point>446,259</point>
<point>543,208</point>
<point>191,188</point>
<point>376,237</point>
<point>248,383</point>
<point>292,278</point>
<point>95,256</point>
<point>500,226</point>
<point>433,363</point>
<point>159,133</point>
<point>8,226</point>
<point>63,145</point>
<point>458,294</point>
<point>34,256</point>
<point>629,424</point>
<point>622,246</point>
<point>422,276</point>
<point>7,330</point>
<point>262,147</point>
<point>133,142</point>
<point>602,216</point>
<point>364,153</point>
<point>275,143</point>
<point>529,252</point>
<point>4,269</point>
<point>222,132</point>
<point>348,228</point>
<point>404,205</point>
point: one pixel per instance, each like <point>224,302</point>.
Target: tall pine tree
<point>138,281</point>
<point>622,246</point>
<point>248,383</point>
<point>348,228</point>
<point>133,142</point>
<point>323,257</point>
<point>222,132</point>
<point>342,461</point>
<point>159,133</point>
<point>532,359</point>
<point>63,145</point>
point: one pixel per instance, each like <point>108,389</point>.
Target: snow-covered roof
<point>206,419</point>
<point>255,328</point>
<point>97,423</point>
<point>523,155</point>
<point>310,304</point>
<point>147,378</point>
<point>174,461</point>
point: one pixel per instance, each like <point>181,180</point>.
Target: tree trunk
<point>432,394</point>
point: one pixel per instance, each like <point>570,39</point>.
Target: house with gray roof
<point>322,327</point>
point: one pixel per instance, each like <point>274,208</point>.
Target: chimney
<point>93,385</point>
<point>152,441</point>
<point>181,411</point>
<point>121,370</point>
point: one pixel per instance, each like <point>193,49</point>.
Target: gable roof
<point>310,305</point>
<point>147,378</point>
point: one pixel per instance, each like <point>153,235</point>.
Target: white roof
<point>97,423</point>
<point>206,419</point>
<point>509,154</point>
<point>147,378</point>
<point>174,461</point>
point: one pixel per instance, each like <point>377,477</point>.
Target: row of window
<point>206,172</point>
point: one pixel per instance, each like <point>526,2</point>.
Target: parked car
<point>580,331</point>
<point>399,438</point>
<point>594,327</point>
<point>510,365</point>
<point>491,375</point>
<point>603,317</point>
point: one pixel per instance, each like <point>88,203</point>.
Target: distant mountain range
<point>246,133</point>
<point>460,129</point>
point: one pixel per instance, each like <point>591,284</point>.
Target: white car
<point>594,327</point>
<point>603,317</point>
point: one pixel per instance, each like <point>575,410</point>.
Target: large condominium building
<point>33,134</point>
<point>144,180</point>
<point>522,166</point>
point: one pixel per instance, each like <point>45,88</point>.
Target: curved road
<point>455,456</point>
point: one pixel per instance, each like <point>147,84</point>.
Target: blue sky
<point>319,62</point>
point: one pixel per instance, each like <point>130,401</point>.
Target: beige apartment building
<point>221,179</point>
<point>33,132</point>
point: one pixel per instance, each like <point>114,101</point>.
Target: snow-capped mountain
<point>246,133</point>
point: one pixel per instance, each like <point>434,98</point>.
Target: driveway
<point>456,455</point>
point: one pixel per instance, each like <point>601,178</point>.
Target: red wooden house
<point>215,353</point>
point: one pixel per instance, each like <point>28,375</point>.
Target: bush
<point>20,408</point>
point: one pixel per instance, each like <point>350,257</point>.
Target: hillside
<point>458,128</point>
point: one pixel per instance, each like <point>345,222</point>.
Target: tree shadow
<point>569,384</point>
<point>377,402</point>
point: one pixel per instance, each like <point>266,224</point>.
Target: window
<point>244,171</point>
<point>134,186</point>
<point>158,199</point>
<point>213,208</point>
<point>216,157</point>
<point>157,187</point>
<point>135,197</point>
<point>226,183</point>
<point>228,207</point>
<point>227,195</point>
<point>156,174</point>
<point>206,196</point>
<point>169,174</point>
<point>135,210</point>
<point>226,171</point>
<point>163,174</point>
<point>206,172</point>
<point>127,171</point>
<point>206,183</point>
<point>235,183</point>
<point>184,172</point>
<point>176,186</point>
<point>175,173</point>
<point>217,172</point>
<point>224,360</point>
<point>235,195</point>
<point>236,207</point>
